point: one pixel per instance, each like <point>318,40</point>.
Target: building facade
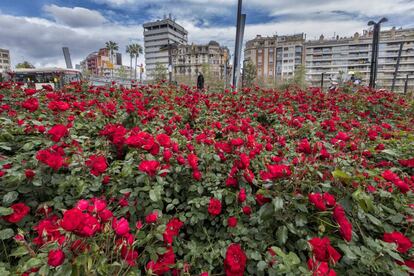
<point>5,63</point>
<point>339,57</point>
<point>158,34</point>
<point>211,59</point>
<point>275,57</point>
<point>100,64</point>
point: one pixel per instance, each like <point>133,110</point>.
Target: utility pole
<point>375,48</point>
<point>397,66</point>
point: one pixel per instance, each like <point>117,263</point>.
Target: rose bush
<point>160,180</point>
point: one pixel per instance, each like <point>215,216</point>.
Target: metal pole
<point>323,74</point>
<point>377,31</point>
<point>397,66</point>
<point>169,62</point>
<point>239,50</point>
<point>236,47</point>
<point>140,73</point>
<point>406,85</point>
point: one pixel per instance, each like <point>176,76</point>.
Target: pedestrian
<point>200,81</point>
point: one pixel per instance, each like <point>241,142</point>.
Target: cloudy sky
<point>36,30</point>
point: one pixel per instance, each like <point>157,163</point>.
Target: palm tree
<point>130,51</point>
<point>137,50</point>
<point>112,46</point>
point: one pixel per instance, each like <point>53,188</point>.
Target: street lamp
<point>375,46</point>
<point>406,83</point>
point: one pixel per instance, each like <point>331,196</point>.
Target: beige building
<point>276,57</point>
<point>337,57</point>
<point>188,60</point>
<point>4,60</point>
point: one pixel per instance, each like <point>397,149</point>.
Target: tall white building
<point>158,34</point>
<point>4,60</point>
<point>337,57</point>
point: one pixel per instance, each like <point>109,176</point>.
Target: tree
<point>249,74</point>
<point>122,73</point>
<point>129,51</point>
<point>160,72</point>
<point>134,50</point>
<point>25,65</point>
<point>112,46</point>
<point>299,78</point>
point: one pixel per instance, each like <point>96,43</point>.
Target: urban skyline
<point>88,24</point>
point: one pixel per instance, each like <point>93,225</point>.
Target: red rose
<point>20,210</point>
<point>97,164</point>
<point>50,158</point>
<point>172,230</point>
<point>164,140</point>
<point>129,255</point>
<point>71,219</point>
<point>152,218</point>
<point>163,264</point>
<point>57,132</point>
<point>320,268</point>
<point>329,199</point>
<point>242,195</point>
<point>55,257</point>
<point>232,222</point>
<point>29,174</point>
<point>323,251</point>
<point>214,207</point>
<point>105,215</point>
<point>197,175</point>
<point>192,161</point>
<point>235,261</point>
<point>261,199</point>
<point>403,243</point>
<point>317,200</point>
<point>31,104</point>
<point>30,92</point>
<point>275,172</point>
<point>149,167</point>
<point>247,210</point>
<point>231,182</point>
<point>304,146</point>
<point>120,226</point>
<point>345,227</point>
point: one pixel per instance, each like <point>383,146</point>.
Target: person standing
<point>200,81</point>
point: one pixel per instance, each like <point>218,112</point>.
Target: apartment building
<point>158,34</point>
<point>188,60</point>
<point>276,57</point>
<point>99,63</point>
<point>338,57</point>
<point>5,63</point>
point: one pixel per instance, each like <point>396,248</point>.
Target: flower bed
<point>167,180</point>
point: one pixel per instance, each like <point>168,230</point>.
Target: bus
<point>38,77</point>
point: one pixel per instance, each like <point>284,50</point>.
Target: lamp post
<point>375,46</point>
<point>406,84</point>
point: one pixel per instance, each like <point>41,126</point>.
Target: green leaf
<point>10,197</point>
<point>282,234</point>
<point>6,234</point>
<point>31,263</point>
<point>153,196</point>
<point>261,266</point>
<point>374,220</point>
<point>20,251</point>
<point>341,176</point>
<point>277,204</point>
<point>5,211</point>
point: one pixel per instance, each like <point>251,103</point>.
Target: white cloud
<point>83,30</point>
<point>40,41</point>
<point>75,17</point>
